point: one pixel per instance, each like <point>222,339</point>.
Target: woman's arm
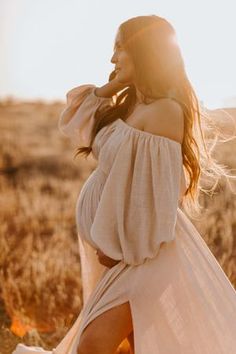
<point>109,89</point>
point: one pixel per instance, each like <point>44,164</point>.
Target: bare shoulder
<point>164,117</point>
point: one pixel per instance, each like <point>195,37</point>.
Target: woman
<point>148,277</point>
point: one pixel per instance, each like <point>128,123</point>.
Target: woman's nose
<point>113,59</point>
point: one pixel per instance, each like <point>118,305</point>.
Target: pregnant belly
<point>87,203</point>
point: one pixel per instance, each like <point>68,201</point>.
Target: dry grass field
<point>40,286</point>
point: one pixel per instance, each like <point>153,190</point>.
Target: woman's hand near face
<point>111,88</point>
<point>105,260</point>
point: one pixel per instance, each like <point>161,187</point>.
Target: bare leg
<point>105,333</point>
<point>131,342</point>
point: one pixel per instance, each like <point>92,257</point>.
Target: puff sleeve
<point>76,120</point>
<point>137,210</point>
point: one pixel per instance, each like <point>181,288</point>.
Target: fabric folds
<point>76,120</point>
<point>138,205</point>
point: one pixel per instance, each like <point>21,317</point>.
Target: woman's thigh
<point>107,331</point>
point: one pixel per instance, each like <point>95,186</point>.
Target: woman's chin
<point>122,79</point>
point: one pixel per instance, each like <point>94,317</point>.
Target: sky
<point>50,46</point>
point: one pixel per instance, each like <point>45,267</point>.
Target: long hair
<point>160,72</point>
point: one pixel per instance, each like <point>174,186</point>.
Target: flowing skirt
<point>181,301</point>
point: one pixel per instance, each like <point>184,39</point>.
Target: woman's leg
<point>104,334</point>
<point>127,345</point>
<point>131,342</point>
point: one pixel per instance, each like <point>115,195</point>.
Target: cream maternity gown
<point>130,208</point>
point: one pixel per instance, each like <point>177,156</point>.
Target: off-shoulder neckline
<point>136,130</point>
<point>145,133</point>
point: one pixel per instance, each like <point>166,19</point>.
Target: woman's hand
<point>105,260</point>
<point>109,89</point>
<point>114,80</point>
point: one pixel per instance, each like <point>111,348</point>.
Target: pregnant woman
<point>149,279</point>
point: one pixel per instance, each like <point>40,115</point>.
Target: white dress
<point>130,208</point>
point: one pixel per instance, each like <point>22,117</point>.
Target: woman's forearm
<point>109,89</point>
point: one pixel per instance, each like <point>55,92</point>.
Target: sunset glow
<point>49,47</point>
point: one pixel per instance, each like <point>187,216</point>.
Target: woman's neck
<point>139,97</point>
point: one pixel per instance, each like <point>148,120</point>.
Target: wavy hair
<point>160,73</point>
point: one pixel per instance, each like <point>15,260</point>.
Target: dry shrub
<point>39,260</point>
<point>41,293</point>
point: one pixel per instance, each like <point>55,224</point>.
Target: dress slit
<point>95,315</point>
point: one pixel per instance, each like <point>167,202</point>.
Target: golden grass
<point>41,290</point>
<point>39,261</point>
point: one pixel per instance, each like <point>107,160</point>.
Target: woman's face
<point>123,62</point>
